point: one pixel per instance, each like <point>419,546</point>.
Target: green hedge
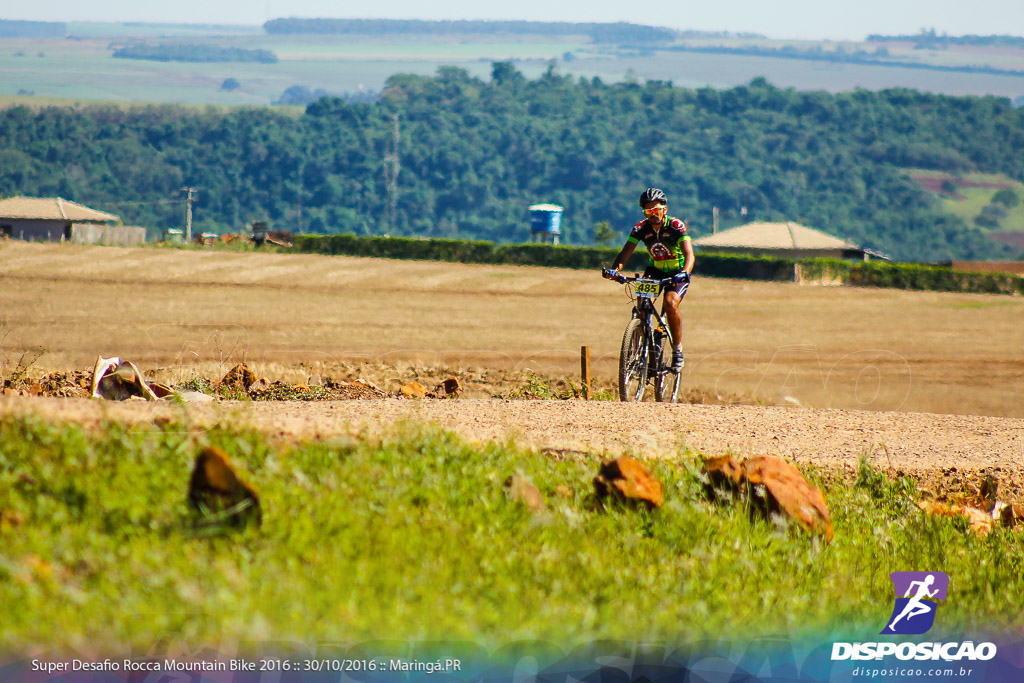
<point>865,274</point>
<point>933,278</point>
<point>464,251</point>
<point>397,247</point>
<point>744,267</point>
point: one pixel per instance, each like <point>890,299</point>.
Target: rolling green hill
<point>473,154</point>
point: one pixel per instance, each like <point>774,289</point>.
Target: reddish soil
<point>1014,239</point>
<point>934,184</point>
<point>1016,267</point>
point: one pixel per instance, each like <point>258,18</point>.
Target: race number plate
<point>647,289</point>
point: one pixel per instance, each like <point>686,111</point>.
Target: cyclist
<point>670,255</point>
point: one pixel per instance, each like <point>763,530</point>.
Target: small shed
<point>786,240</point>
<point>55,219</point>
<point>545,222</point>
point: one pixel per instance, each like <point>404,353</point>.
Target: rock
<point>1003,514</point>
<point>723,474</point>
<point>195,397</point>
<point>240,377</point>
<point>774,486</point>
<point>161,390</point>
<point>450,388</point>
<point>988,489</point>
<point>521,489</point>
<point>980,521</point>
<point>626,480</point>
<point>1018,514</point>
<point>216,492</point>
<point>939,509</point>
<point>315,381</point>
<point>413,390</point>
<point>258,387</point>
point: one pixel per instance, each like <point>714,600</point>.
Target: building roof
<point>774,236</point>
<point>546,207</point>
<point>52,209</point>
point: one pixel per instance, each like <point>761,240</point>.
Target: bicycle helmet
<point>652,194</point>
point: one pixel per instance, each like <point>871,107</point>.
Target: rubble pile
<point>74,384</point>
<point>978,503</point>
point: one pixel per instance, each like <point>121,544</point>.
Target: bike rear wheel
<point>666,382</point>
<point>633,362</point>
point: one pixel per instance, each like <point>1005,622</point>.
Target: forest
<point>599,32</point>
<point>930,40</point>
<point>193,52</point>
<point>14,28</point>
<point>455,156</point>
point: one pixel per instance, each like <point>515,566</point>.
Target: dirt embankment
<point>942,450</point>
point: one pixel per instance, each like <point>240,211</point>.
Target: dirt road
<point>915,443</point>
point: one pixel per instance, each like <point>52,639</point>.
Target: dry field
<point>180,313</point>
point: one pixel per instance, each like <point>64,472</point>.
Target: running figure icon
<point>915,607</point>
<point>917,598</point>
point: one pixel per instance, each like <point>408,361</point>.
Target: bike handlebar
<point>625,279</point>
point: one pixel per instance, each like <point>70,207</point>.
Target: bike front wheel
<point>666,382</point>
<point>633,362</point>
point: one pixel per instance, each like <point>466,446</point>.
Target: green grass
<point>975,198</point>
<point>412,537</point>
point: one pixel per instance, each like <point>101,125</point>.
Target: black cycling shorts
<point>655,274</point>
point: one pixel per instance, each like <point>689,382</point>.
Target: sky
<point>799,19</point>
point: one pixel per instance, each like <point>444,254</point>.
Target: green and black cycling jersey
<point>664,244</point>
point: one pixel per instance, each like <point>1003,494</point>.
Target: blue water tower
<point>545,223</point>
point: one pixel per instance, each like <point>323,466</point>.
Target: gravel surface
<point>907,442</point>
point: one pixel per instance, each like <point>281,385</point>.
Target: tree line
<point>619,32</point>
<point>13,28</point>
<point>877,57</point>
<point>929,39</point>
<point>191,52</point>
<point>472,154</point>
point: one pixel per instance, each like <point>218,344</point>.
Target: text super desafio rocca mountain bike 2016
<point>646,354</point>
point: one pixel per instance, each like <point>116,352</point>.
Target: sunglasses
<point>662,207</point>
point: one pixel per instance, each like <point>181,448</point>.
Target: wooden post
<point>585,371</point>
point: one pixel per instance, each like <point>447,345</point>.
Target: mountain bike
<point>646,354</point>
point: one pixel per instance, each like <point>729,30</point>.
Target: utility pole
<point>714,214</point>
<point>391,166</point>
<point>188,213</point>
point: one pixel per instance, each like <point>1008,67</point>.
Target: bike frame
<point>644,309</point>
<point>650,346</point>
